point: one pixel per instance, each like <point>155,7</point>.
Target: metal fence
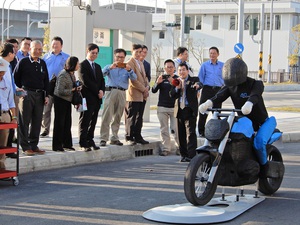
<point>277,77</point>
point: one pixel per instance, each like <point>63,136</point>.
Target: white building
<point>214,23</point>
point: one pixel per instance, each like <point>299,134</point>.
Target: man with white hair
<point>31,75</point>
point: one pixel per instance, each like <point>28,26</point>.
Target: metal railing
<point>277,77</point>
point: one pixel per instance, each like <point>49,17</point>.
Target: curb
<point>291,137</point>
<point>286,87</point>
<point>56,160</point>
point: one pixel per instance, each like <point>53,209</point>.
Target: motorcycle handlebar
<point>223,110</point>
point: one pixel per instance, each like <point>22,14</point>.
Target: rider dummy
<point>246,94</point>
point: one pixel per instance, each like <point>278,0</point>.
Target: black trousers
<point>186,123</point>
<point>87,124</point>
<point>30,119</point>
<point>207,93</point>
<point>134,112</point>
<point>62,136</point>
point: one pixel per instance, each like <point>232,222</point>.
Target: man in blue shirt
<point>55,61</point>
<point>210,75</point>
<point>24,49</point>
<point>118,75</point>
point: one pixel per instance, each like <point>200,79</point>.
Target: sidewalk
<point>287,122</point>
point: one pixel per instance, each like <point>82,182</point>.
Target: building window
<point>246,23</point>
<point>277,23</point>
<point>192,22</point>
<point>178,18</point>
<point>198,22</point>
<point>161,34</point>
<point>233,23</point>
<point>215,23</point>
<point>267,22</point>
<point>247,19</point>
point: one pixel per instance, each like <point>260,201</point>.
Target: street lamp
<point>7,28</point>
<point>7,35</point>
<point>2,39</point>
<point>30,24</point>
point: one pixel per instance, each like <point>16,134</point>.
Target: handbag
<point>77,98</point>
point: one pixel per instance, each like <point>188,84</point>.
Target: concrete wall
<point>76,28</point>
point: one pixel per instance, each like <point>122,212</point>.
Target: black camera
<point>165,76</point>
<point>78,83</point>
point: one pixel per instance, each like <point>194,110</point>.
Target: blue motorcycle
<point>229,159</point>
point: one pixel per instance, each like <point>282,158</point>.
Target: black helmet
<point>234,72</point>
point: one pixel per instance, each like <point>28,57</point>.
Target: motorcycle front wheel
<point>269,185</point>
<point>197,189</point>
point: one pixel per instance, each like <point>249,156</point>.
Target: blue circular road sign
<point>238,48</point>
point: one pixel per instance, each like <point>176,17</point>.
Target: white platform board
<point>214,212</point>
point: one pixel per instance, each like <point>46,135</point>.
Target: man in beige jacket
<point>138,91</point>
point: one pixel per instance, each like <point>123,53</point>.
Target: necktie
<point>94,70</point>
<point>182,103</point>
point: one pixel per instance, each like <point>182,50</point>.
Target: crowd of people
<point>25,77</point>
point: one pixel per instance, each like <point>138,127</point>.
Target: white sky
<point>44,4</point>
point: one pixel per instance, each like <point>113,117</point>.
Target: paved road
<point>117,193</point>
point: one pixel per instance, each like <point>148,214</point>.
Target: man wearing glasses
<point>24,49</point>
<point>118,75</point>
<point>165,106</point>
<point>93,88</point>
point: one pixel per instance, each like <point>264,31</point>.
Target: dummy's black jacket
<point>251,90</point>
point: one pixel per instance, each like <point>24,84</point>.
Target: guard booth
<point>108,28</point>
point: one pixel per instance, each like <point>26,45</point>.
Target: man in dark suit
<point>186,111</point>
<point>145,63</point>
<point>93,88</point>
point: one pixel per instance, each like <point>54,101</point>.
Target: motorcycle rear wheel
<point>197,189</point>
<point>268,185</point>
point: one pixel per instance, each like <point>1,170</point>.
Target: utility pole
<point>2,39</point>
<point>262,23</point>
<point>240,22</point>
<point>270,43</point>
<point>8,26</point>
<point>182,23</point>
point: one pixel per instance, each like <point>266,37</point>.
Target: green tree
<point>294,51</point>
<point>46,41</point>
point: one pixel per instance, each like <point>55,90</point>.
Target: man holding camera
<point>185,90</point>
<point>118,75</point>
<point>165,106</point>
